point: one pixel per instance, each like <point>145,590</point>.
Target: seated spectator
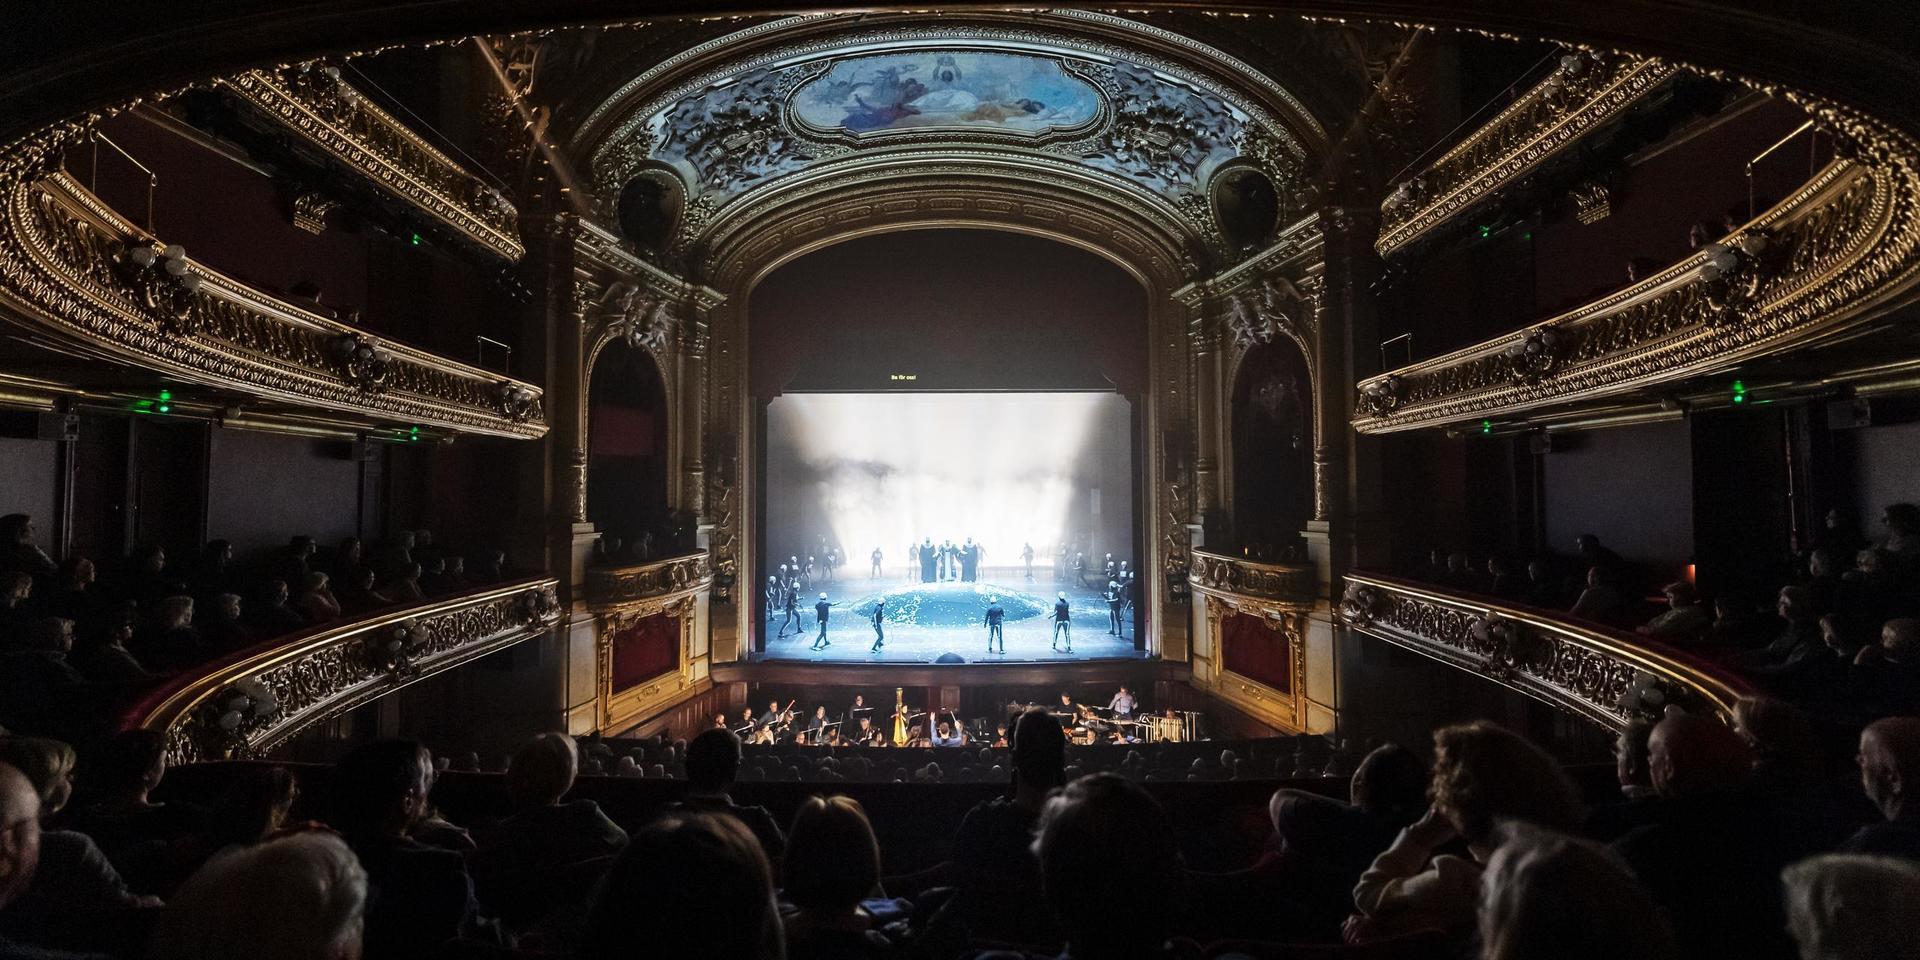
<point>457,573</point>
<point>73,873</point>
<point>1609,822</point>
<point>1889,761</point>
<point>18,551</point>
<point>358,595</point>
<point>75,597</point>
<point>347,563</point>
<point>421,895</point>
<point>36,681</point>
<point>999,894</point>
<point>832,863</point>
<point>224,626</point>
<point>301,897</point>
<point>148,581</point>
<point>1542,587</point>
<point>1482,774</point>
<point>293,562</point>
<point>1735,625</point>
<point>1685,620</point>
<point>1461,575</point>
<point>1885,679</point>
<point>170,641</point>
<point>491,568</point>
<point>1593,553</point>
<point>20,857</point>
<point>1796,648</point>
<point>1104,825</point>
<point>1853,907</point>
<point>405,585</point>
<point>691,886</point>
<point>713,761</point>
<point>1713,853</point>
<point>1502,581</point>
<point>1790,769</point>
<point>16,590</point>
<point>317,603</point>
<point>270,615</point>
<point>1326,844</point>
<point>1902,542</point>
<point>1547,896</point>
<point>1839,536</point>
<point>543,837</point>
<point>216,574</point>
<point>130,827</point>
<point>1602,599</point>
<point>104,658</point>
<point>433,577</point>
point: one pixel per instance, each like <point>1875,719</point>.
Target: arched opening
<point>1272,451</point>
<point>627,455</point>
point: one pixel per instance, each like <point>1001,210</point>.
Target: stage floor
<point>926,620</point>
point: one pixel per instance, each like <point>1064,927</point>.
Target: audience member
<point>224,627</point>
<point>36,681</point>
<point>1326,844</point>
<point>1547,896</point>
<point>216,574</point>
<point>103,657</point>
<point>317,603</point>
<point>421,896</point>
<point>1885,680</point>
<point>1685,620</point>
<point>1104,825</point>
<point>998,877</point>
<point>170,641</point>
<point>19,552</point>
<point>1853,907</point>
<point>1890,762</point>
<point>544,838</point>
<point>20,857</point>
<point>692,886</point>
<point>270,614</point>
<point>300,897</point>
<point>73,874</point>
<point>1602,598</point>
<point>713,762</point>
<point>74,595</point>
<point>832,864</point>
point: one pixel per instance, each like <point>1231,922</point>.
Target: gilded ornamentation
<point>246,709</point>
<point>362,362</point>
<point>613,586</point>
<point>311,211</point>
<point>1830,255</point>
<point>316,104</point>
<point>1592,201</point>
<point>1603,676</point>
<point>1291,584</point>
<point>79,271</point>
<point>1586,91</point>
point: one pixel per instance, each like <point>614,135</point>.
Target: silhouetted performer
<point>1062,622</point>
<point>1113,598</point>
<point>774,593</point>
<point>1026,558</point>
<point>927,556</point>
<point>792,607</point>
<point>970,561</point>
<point>876,564</point>
<point>820,611</point>
<point>995,617</point>
<point>879,637</point>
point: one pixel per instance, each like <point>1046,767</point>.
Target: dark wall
<point>26,477</point>
<point>962,309</point>
<point>264,487</point>
<point>1630,486</point>
<point>1886,469</point>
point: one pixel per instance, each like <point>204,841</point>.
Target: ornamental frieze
<point>84,274</point>
<point>1829,255</point>
<point>1233,576</point>
<point>1599,674</point>
<point>246,709</point>
<point>609,587</point>
<point>329,116</point>
<point>1584,92</point>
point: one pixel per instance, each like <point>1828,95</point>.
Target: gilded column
<point>1208,417</point>
<point>693,414</point>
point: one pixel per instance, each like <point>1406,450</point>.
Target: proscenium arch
<point>780,233</point>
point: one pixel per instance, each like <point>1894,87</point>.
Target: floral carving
<point>163,281</point>
<point>362,362</point>
<point>613,586</point>
<point>1267,581</point>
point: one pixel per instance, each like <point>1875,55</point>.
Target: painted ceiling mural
<point>739,128</point>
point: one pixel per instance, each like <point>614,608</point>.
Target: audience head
<point>689,886</point>
<point>713,759</point>
<point>1782,735</point>
<point>1104,825</point>
<point>76,571</point>
<point>1681,594</point>
<point>315,582</point>
<point>273,592</point>
<point>1796,603</point>
<point>1690,755</point>
<point>832,860</point>
<point>1900,639</point>
<point>226,608</point>
<point>381,789</point>
<point>1484,773</point>
<point>15,586</point>
<point>1889,760</point>
<point>217,554</point>
<point>1820,564</point>
<point>51,634</point>
<point>300,897</point>
<point>152,558</point>
<point>1391,784</point>
<point>542,771</point>
<point>16,528</point>
<point>1039,751</point>
<point>1547,896</point>
<point>1869,561</point>
<point>19,833</point>
<point>1901,518</point>
<point>175,613</point>
<point>1853,907</point>
<point>1630,754</point>
<point>129,764</point>
<point>254,805</point>
<point>47,764</point>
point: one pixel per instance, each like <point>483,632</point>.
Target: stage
<point>926,620</point>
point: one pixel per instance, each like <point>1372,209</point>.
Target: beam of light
<point>892,469</point>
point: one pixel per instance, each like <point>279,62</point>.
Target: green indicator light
<point>415,240</point>
<point>1739,391</point>
<point>163,408</point>
<point>166,394</point>
<point>1486,426</point>
<point>142,404</point>
<point>1739,398</point>
<point>1485,231</point>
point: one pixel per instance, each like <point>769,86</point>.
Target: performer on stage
<point>820,611</point>
<point>869,736</point>
<point>879,625</point>
<point>775,716</point>
<point>928,558</point>
<point>1122,704</point>
<point>1062,622</point>
<point>970,561</point>
<point>809,572</point>
<point>747,723</point>
<point>790,605</point>
<point>1026,559</point>
<point>720,721</point>
<point>946,736</point>
<point>875,575</point>
<point>1112,596</point>
<point>996,615</point>
<point>859,709</point>
<point>817,723</point>
<point>1080,568</point>
<point>1108,569</point>
<point>774,593</point>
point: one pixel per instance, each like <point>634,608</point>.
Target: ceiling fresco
<point>1010,93</point>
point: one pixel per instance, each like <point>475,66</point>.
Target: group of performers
<point>937,563</point>
<point>861,725</point>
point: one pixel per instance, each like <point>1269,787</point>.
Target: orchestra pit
<point>724,480</point>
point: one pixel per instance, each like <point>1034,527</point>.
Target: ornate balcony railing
<point>1584,92</point>
<point>248,704</point>
<point>1283,583</point>
<point>618,586</point>
<point>1605,675</point>
<point>333,119</point>
<point>86,276</point>
<point>1837,252</point>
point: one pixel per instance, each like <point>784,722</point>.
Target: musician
<point>1067,709</point>
<point>996,615</point>
<point>868,733</point>
<point>917,737</point>
<point>946,736</point>
<point>818,722</point>
<point>859,709</point>
<point>879,625</point>
<point>775,716</point>
<point>1062,622</point>
<point>720,721</point>
<point>1000,736</point>
<point>1123,704</point>
<point>820,612</point>
<point>747,723</point>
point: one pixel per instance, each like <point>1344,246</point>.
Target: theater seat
<point>1425,945</point>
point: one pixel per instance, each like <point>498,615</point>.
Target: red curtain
<point>1256,648</point>
<point>645,649</point>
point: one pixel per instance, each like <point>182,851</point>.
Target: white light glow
<point>892,469</point>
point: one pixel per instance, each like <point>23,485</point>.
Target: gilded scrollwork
<point>610,587</point>
<point>1602,676</point>
<point>246,709</point>
<point>1582,93</point>
<point>1279,582</point>
<point>315,103</point>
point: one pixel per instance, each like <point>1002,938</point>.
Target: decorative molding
<point>1286,709</point>
<point>621,709</point>
<point>329,115</point>
<point>1836,252</point>
<point>243,708</point>
<point>1587,670</point>
<point>615,588</point>
<point>79,271</point>
<point>1585,92</point>
<point>311,211</point>
<point>1290,586</point>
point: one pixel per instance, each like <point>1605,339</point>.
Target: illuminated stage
<point>926,620</point>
